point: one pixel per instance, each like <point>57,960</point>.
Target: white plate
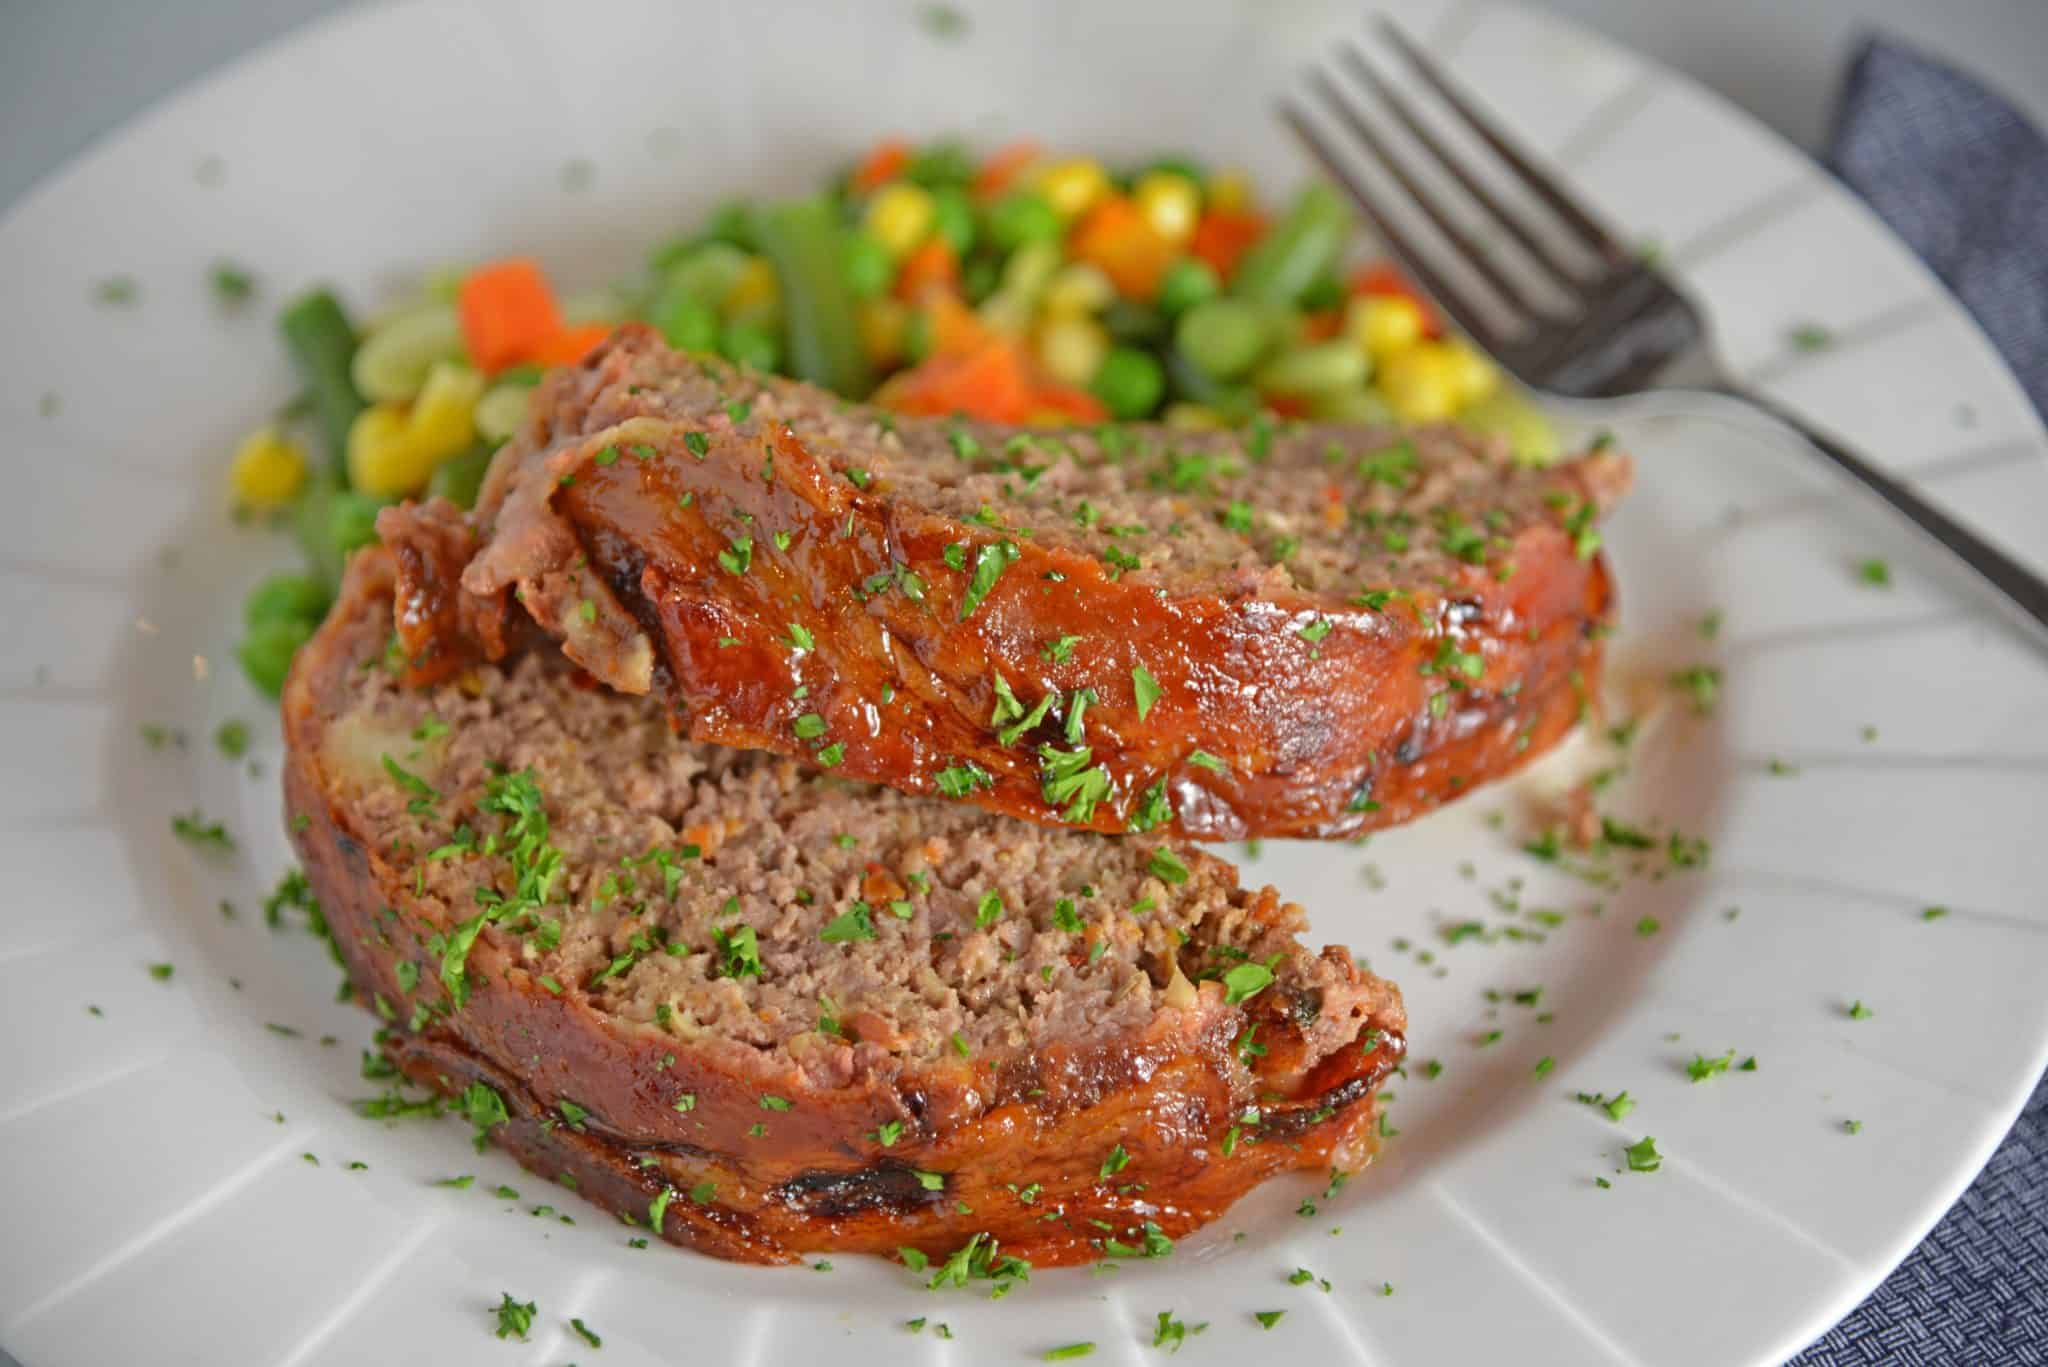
<point>158,1205</point>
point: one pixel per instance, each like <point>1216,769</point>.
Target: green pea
<point>285,597</point>
<point>1223,338</point>
<point>687,322</point>
<point>1187,282</point>
<point>1130,382</point>
<point>1326,291</point>
<point>266,652</point>
<point>352,520</point>
<point>868,266</point>
<point>953,218</point>
<point>750,344</point>
<point>1022,216</point>
<point>458,478</point>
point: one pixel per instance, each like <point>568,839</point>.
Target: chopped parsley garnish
<point>989,563</point>
<point>586,1333</point>
<point>739,952</point>
<point>515,1318</point>
<point>740,555</point>
<point>1154,808</point>
<point>1933,913</point>
<point>1060,651</point>
<point>1876,573</point>
<point>1066,918</point>
<point>1859,1012</point>
<point>1205,760</point>
<point>1145,689</point>
<point>194,829</point>
<point>857,922</point>
<point>1808,337</point>
<point>809,726</point>
<point>1852,1126</point>
<point>232,738</point>
<point>162,972</point>
<point>485,1110</point>
<point>888,1132</point>
<point>1167,865</point>
<point>1642,1155</point>
<point>697,444</point>
<point>1267,1318</point>
<point>658,1207</point>
<point>1701,1068</point>
<point>1117,1161</point>
<point>961,780</point>
<point>1315,631</point>
<point>1702,683</point>
<point>1246,981</point>
<point>1174,1332</point>
<point>775,1103</point>
<point>1066,1352</point>
<point>800,637</point>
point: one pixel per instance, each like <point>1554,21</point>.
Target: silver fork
<point>1622,328</point>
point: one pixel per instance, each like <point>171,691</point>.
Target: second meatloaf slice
<point>768,1012</point>
<point>1298,631</point>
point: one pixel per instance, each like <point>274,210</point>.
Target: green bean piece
<point>707,272</point>
<point>392,361</point>
<point>1324,367</point>
<point>801,238</point>
<point>266,652</point>
<point>1223,338</point>
<point>322,345</point>
<point>733,223</point>
<point>458,478</point>
<point>285,597</point>
<point>1282,265</point>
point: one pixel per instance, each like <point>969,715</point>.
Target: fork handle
<point>2021,587</point>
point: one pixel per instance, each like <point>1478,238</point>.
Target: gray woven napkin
<point>1963,178</point>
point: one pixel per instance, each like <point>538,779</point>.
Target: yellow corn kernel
<point>1071,349</point>
<point>1383,324</point>
<point>1170,202</point>
<point>755,293</point>
<point>269,468</point>
<point>883,323</point>
<point>1230,191</point>
<point>900,217</point>
<point>1193,417</point>
<point>1072,186</point>
<point>1076,290</point>
<point>381,456</point>
<point>1420,383</point>
<point>1473,373</point>
<point>393,447</point>
<point>442,422</point>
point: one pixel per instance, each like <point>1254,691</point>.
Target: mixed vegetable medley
<point>1019,287</point>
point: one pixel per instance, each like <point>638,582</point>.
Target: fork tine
<point>1432,209</point>
<point>1545,188</point>
<point>1455,165</point>
<point>1412,259</point>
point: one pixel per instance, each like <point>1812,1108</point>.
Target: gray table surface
<point>73,70</point>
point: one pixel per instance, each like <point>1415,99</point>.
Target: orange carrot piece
<point>1003,166</point>
<point>1117,238</point>
<point>880,166</point>
<point>930,269</point>
<point>1064,403</point>
<point>571,344</point>
<point>1224,235</point>
<point>992,382</point>
<point>955,328</point>
<point>507,312</point>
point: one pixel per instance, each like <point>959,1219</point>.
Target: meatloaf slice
<point>775,1012</point>
<point>1305,631</point>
